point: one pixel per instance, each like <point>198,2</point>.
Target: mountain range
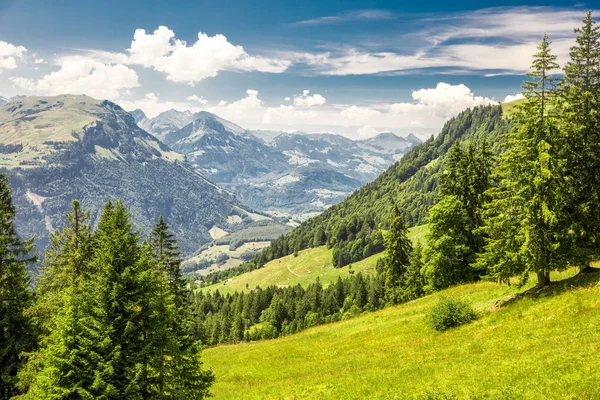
<point>56,149</point>
<point>289,175</point>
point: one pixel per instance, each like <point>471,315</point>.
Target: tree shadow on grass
<point>591,277</point>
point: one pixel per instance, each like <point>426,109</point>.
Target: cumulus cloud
<point>205,58</point>
<point>80,75</point>
<point>446,100</point>
<point>306,100</point>
<point>9,54</point>
<point>40,61</point>
<point>359,113</point>
<point>515,97</point>
<point>198,99</point>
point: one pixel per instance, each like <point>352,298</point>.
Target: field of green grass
<point>535,346</point>
<point>305,269</point>
<point>508,107</point>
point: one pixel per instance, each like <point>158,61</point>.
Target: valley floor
<point>535,346</point>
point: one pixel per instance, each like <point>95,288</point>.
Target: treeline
<point>110,316</point>
<point>271,312</point>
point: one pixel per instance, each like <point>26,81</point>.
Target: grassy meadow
<point>523,345</point>
<point>305,269</point>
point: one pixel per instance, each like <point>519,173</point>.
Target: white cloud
<point>359,113</point>
<point>426,115</point>
<point>510,97</point>
<point>360,15</point>
<point>287,115</point>
<point>80,75</point>
<point>198,99</point>
<point>9,54</point>
<point>287,99</point>
<point>492,39</point>
<point>446,100</point>
<point>305,100</point>
<point>40,61</point>
<point>205,58</point>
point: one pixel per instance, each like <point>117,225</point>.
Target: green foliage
<point>272,312</point>
<point>450,313</point>
<point>454,236</point>
<point>397,258</point>
<point>579,106</point>
<point>16,333</point>
<point>524,218</point>
<point>114,316</point>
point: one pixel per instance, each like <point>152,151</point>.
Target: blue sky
<point>350,67</point>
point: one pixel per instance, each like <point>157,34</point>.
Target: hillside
<point>67,147</point>
<point>534,347</point>
<point>310,265</point>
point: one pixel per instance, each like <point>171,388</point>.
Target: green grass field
<point>542,346</point>
<point>507,108</point>
<point>305,269</point>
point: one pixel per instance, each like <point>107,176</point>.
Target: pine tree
<point>16,333</point>
<point>580,110</point>
<point>454,236</point>
<point>178,367</point>
<point>397,258</point>
<point>64,359</point>
<point>523,218</point>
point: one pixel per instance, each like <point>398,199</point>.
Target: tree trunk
<point>543,278</point>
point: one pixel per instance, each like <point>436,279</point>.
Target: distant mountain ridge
<point>56,149</point>
<point>284,174</point>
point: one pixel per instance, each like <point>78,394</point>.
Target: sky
<point>355,68</point>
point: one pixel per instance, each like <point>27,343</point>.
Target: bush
<point>449,313</point>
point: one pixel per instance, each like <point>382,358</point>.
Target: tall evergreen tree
<point>580,122</point>
<point>454,236</point>
<point>397,258</point>
<point>523,218</point>
<point>15,295</point>
<point>178,369</point>
<point>63,367</point>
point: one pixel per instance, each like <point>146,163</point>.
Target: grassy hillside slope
<point>541,346</point>
<point>305,269</point>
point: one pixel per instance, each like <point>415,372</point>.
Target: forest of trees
<point>110,316</point>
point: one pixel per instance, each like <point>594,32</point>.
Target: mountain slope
<point>61,148</point>
<point>527,348</point>
<point>353,226</point>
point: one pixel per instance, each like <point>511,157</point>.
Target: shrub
<point>449,313</point>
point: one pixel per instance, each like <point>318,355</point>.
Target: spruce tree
<point>178,368</point>
<point>524,215</point>
<point>454,236</point>
<point>397,258</point>
<point>16,333</point>
<point>64,366</point>
<point>580,112</point>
